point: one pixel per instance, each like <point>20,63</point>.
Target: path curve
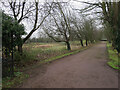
<point>87,69</point>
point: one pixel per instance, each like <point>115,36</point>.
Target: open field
<point>38,52</point>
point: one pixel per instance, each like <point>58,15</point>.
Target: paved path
<point>87,69</point>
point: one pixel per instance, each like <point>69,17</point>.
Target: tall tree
<point>22,10</point>
<point>59,28</point>
<point>77,29</point>
<point>111,15</point>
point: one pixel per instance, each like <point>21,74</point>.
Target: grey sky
<point>73,3</point>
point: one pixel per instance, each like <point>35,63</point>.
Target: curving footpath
<point>87,69</point>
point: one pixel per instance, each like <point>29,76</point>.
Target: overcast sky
<point>74,3</point>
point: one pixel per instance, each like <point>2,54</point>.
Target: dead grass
<point>37,52</point>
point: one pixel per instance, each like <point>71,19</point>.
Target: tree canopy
<point>10,31</point>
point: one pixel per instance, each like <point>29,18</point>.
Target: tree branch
<point>23,6</point>
<point>35,24</point>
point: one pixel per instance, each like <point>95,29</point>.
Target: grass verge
<point>112,54</point>
<point>66,54</point>
<point>9,82</point>
<point>57,57</point>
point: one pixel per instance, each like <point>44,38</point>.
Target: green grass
<point>9,82</point>
<point>48,60</point>
<point>37,52</point>
<point>66,54</point>
<point>112,56</point>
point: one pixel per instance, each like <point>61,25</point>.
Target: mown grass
<point>113,57</point>
<point>38,53</point>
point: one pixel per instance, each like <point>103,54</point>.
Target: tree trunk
<point>86,42</point>
<point>20,50</point>
<point>68,46</point>
<point>81,41</point>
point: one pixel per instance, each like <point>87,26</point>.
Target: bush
<point>21,60</point>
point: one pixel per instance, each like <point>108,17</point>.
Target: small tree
<point>10,30</point>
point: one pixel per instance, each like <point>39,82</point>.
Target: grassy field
<point>113,57</point>
<point>38,52</point>
<point>34,53</point>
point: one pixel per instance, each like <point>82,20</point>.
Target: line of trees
<point>62,25</point>
<point>55,18</point>
<point>110,15</point>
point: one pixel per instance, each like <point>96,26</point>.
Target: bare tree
<point>59,30</point>
<point>110,14</point>
<point>22,10</point>
<point>77,28</point>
